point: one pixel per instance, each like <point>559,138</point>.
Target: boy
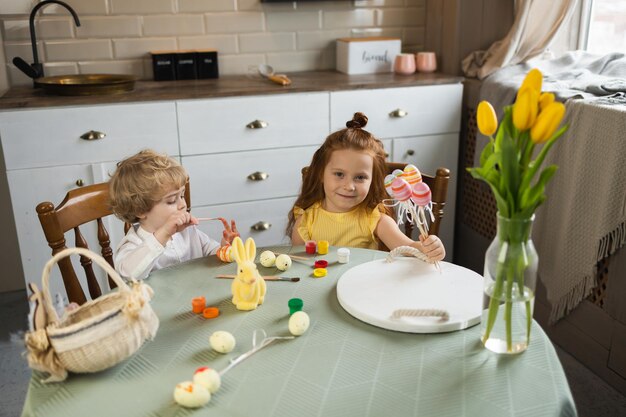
<point>148,191</point>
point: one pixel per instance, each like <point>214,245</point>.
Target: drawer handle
<point>410,152</point>
<point>260,226</point>
<point>258,176</point>
<point>257,124</point>
<point>93,135</point>
<point>80,182</point>
<point>398,113</point>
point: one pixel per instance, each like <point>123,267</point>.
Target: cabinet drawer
<point>429,109</point>
<point>223,178</point>
<point>269,216</point>
<point>50,137</point>
<point>220,125</point>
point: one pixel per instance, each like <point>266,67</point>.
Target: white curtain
<point>536,23</point>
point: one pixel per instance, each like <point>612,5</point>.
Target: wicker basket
<point>98,334</point>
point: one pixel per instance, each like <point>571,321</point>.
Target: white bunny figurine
<point>248,287</point>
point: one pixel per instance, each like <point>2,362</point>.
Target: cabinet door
<point>52,137</point>
<point>264,221</point>
<point>428,153</point>
<point>237,177</point>
<point>228,124</point>
<point>400,112</point>
<point>29,187</point>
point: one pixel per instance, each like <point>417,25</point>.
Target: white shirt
<point>140,253</point>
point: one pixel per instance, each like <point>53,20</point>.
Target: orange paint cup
<point>210,312</point>
<point>198,304</point>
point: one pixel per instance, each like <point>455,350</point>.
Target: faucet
<point>35,70</point>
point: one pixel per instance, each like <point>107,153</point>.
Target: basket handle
<point>45,275</point>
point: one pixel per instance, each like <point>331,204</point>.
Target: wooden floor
<point>593,397</point>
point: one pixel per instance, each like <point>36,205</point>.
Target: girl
<point>341,196</point>
<point>148,191</point>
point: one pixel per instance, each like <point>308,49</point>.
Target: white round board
<point>372,291</point>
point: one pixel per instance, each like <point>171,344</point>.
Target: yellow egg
<point>267,258</point>
<point>222,341</point>
<point>283,262</point>
<point>299,323</point>
<point>191,395</point>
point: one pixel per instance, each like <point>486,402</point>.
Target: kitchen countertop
<point>226,86</point>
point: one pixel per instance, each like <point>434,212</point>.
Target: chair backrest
<point>438,187</point>
<point>81,206</point>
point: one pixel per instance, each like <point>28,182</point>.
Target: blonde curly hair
<point>142,180</point>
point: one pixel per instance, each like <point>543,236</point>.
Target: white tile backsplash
<point>234,22</point>
<point>293,21</point>
<point>142,6</point>
<point>109,26</point>
<point>348,18</point>
<point>78,50</point>
<point>117,35</point>
<point>55,28</point>
<point>185,6</point>
<point>140,48</point>
<point>223,44</point>
<point>173,25</point>
<point>267,42</point>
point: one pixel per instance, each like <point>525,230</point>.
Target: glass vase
<point>509,293</point>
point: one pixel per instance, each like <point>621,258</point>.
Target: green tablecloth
<point>339,367</point>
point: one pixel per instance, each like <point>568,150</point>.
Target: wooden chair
<point>81,206</point>
<point>438,187</point>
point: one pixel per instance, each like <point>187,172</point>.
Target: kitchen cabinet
<point>243,150</point>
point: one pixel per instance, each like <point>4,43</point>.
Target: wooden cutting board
<point>372,291</point>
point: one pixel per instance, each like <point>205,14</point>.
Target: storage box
<point>163,66</point>
<point>186,65</point>
<point>367,55</point>
<point>206,62</point>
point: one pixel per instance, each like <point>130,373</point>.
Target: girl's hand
<point>432,247</point>
<point>230,231</point>
<point>177,222</point>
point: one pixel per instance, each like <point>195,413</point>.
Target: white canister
<point>343,255</point>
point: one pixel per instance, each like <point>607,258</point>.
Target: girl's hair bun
<point>359,121</point>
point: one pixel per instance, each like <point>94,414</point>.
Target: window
<point>607,27</point>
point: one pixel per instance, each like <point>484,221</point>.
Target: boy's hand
<point>177,222</point>
<point>432,247</point>
<point>230,231</point>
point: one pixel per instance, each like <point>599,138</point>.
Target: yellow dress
<point>353,229</point>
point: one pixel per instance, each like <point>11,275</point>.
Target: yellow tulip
<point>525,108</point>
<point>545,99</point>
<point>547,122</point>
<point>533,80</point>
<point>486,118</point>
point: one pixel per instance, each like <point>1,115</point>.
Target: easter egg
<point>401,189</point>
<point>299,323</point>
<point>222,341</point>
<point>421,194</point>
<point>388,181</point>
<point>224,253</point>
<point>412,175</point>
<point>283,262</point>
<point>397,173</point>
<point>191,395</point>
<point>208,378</point>
<point>267,258</point>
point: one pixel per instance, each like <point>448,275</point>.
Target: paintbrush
<point>296,257</point>
<point>266,278</point>
<point>204,219</point>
